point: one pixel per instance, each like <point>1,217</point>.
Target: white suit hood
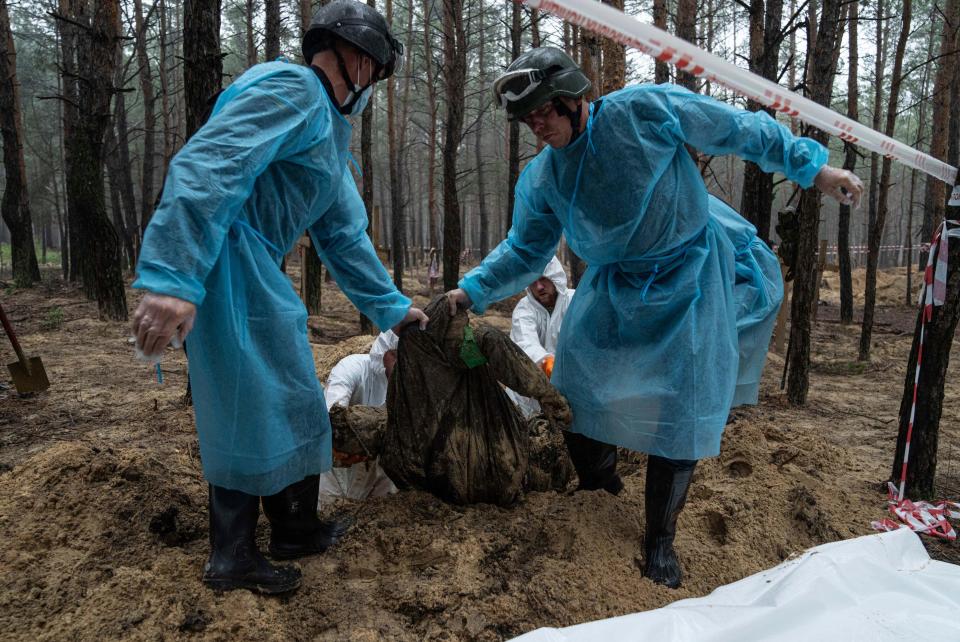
<point>537,331</point>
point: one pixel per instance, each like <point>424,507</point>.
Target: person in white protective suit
<point>536,324</point>
<point>360,380</point>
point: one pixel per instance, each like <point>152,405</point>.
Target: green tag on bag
<point>469,351</point>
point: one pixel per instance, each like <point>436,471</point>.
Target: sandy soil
<point>103,504</point>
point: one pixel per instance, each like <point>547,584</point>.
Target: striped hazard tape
<point>930,518</point>
<point>616,25</point>
<point>925,517</point>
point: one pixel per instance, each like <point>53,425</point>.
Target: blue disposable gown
<point>270,163</point>
<point>671,321</point>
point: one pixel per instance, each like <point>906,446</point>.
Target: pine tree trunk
<point>96,56</point>
<point>939,335</point>
<point>849,163</point>
<point>251,42</point>
<point>70,105</point>
<point>614,59</point>
<point>876,231</point>
<point>820,82</point>
<point>661,69</point>
<point>396,186</point>
<point>203,64</point>
<point>687,29</point>
<point>513,128</point>
<point>15,206</point>
<point>757,195</point>
<point>455,66</point>
<point>935,193</point>
<point>130,230</point>
<point>271,40</point>
<point>147,194</point>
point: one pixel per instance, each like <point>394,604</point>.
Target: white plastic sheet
<point>878,587</point>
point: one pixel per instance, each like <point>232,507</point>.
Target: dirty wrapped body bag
<point>451,429</point>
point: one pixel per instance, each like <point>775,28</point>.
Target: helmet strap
<point>573,115</point>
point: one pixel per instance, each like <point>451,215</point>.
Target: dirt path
<point>103,505</point>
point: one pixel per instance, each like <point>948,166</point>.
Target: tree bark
<point>251,41</point>
<point>96,56</point>
<point>203,64</point>
<point>482,101</point>
<point>661,71</point>
<point>876,230</point>
<point>513,128</point>
<point>131,233</point>
<point>396,186</point>
<point>16,203</point>
<point>820,83</point>
<point>271,43</point>
<point>687,29</point>
<point>850,164</point>
<point>455,66</point>
<point>614,71</point>
<point>765,35</point>
<point>147,194</point>
<point>935,196</point>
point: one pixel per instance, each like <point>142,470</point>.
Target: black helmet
<point>535,78</point>
<point>360,25</point>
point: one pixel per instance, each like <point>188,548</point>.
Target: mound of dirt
<point>105,542</point>
<point>103,505</point>
<point>891,286</point>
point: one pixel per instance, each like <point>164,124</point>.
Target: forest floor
<point>103,504</point>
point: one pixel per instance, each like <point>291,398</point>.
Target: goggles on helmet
<point>517,85</point>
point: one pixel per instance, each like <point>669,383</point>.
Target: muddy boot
<point>295,529</point>
<point>667,484</point>
<point>595,463</point>
<point>234,560</point>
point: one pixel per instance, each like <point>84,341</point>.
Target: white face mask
<point>359,96</point>
<point>361,102</point>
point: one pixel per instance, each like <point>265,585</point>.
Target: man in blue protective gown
<point>271,162</point>
<point>670,324</point>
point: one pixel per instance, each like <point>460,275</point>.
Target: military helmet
<point>535,78</point>
<point>360,25</point>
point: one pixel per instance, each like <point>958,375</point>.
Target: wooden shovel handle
<point>13,338</point>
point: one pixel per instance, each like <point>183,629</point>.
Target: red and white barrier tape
<point>925,517</point>
<point>627,30</point>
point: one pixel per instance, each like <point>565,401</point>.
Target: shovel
<point>28,374</point>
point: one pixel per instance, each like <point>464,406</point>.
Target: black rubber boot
<point>595,463</point>
<point>235,562</point>
<point>295,529</point>
<point>666,493</point>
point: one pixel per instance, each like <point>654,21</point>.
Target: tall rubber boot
<point>234,560</point>
<point>295,529</point>
<point>667,483</point>
<point>595,463</point>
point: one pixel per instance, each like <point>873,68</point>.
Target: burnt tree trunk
<point>820,83</point>
<point>15,206</point>
<point>765,36</point>
<point>454,67</point>
<point>101,273</point>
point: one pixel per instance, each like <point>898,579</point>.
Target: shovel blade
<point>32,378</point>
